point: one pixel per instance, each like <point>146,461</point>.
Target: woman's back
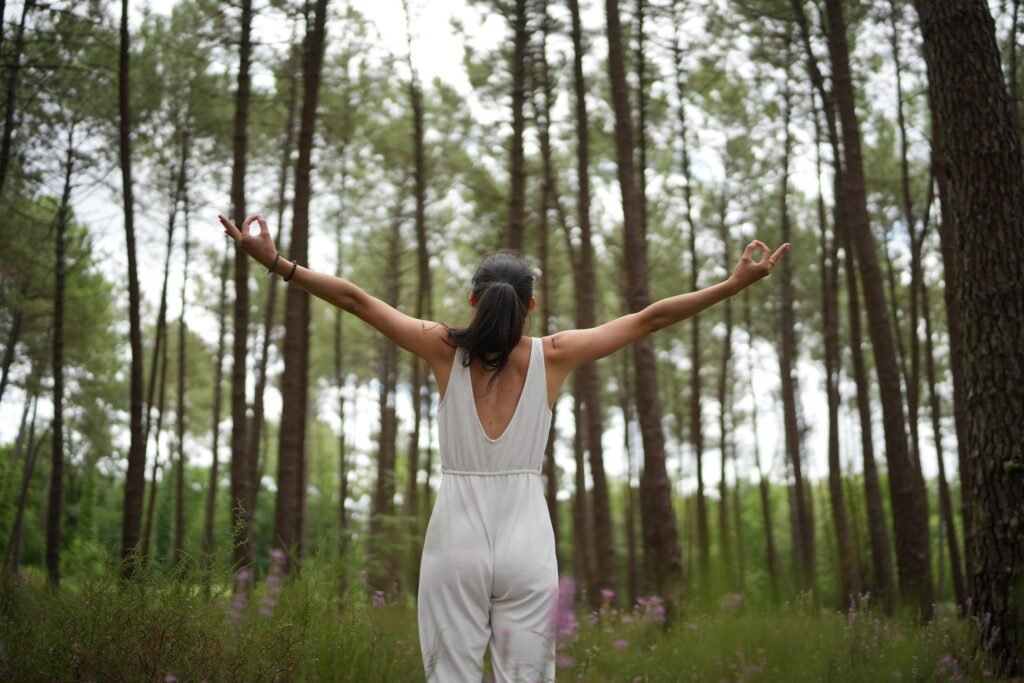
<point>464,421</point>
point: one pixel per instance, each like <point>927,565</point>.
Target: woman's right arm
<point>423,338</point>
<point>572,348</point>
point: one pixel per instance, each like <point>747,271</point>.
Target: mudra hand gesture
<point>749,271</point>
<point>260,246</point>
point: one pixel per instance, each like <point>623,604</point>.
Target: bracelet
<point>274,264</point>
<point>295,264</point>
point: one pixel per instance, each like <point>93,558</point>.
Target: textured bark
<point>294,385</point>
<point>255,438</point>
<point>586,317</point>
<point>157,465</point>
<point>54,504</point>
<point>385,564</point>
<point>632,575</point>
<point>906,484</point>
<point>241,474</point>
<point>771,554</point>
<point>657,515</point>
<point>803,530</point>
<point>542,115</point>
<point>945,499</point>
<point>12,94</point>
<point>982,144</point>
<point>881,553</point>
<point>724,403</point>
<point>696,427</point>
<point>849,578</point>
<point>135,479</point>
<point>517,197</point>
<point>179,483</point>
<point>12,553</point>
<point>947,237</point>
<point>218,383</point>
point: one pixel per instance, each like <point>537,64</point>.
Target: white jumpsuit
<point>488,575</point>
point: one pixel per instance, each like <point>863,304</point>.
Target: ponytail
<point>502,285</point>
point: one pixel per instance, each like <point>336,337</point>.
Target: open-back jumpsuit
<point>488,574</point>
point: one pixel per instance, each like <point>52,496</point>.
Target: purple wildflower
<point>378,598</point>
<point>607,594</point>
<point>620,644</point>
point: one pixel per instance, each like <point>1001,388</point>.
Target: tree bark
<point>135,479</point>
<point>724,401</point>
<point>586,317</point>
<point>517,197</point>
<point>696,427</point>
<point>218,383</point>
<point>241,476</point>
<point>12,93</point>
<point>13,335</point>
<point>657,515</point>
<point>179,490</point>
<point>294,385</point>
<point>986,179</point>
<point>906,484</point>
<point>54,506</point>
<point>803,531</point>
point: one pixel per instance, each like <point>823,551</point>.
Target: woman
<point>488,576</point>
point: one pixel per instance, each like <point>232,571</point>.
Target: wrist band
<point>295,264</point>
<point>274,264</point>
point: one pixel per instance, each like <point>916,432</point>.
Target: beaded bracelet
<point>295,264</point>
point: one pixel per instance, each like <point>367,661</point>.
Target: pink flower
<point>563,618</point>
<point>170,678</point>
<point>378,598</point>
<point>620,644</point>
<point>277,555</point>
<point>607,594</point>
<point>562,660</point>
<point>241,576</point>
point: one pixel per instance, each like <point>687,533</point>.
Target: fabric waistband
<point>485,473</point>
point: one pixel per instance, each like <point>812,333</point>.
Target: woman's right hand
<point>260,246</point>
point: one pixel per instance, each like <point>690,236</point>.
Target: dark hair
<point>502,285</point>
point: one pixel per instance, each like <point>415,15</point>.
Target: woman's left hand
<point>260,246</point>
<point>749,271</point>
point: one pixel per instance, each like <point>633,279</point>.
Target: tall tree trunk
<point>241,476</point>
<point>12,553</point>
<point>54,506</point>
<point>849,578</point>
<point>771,554</point>
<point>625,391</point>
<point>10,107</point>
<point>803,530</point>
<point>382,530</point>
<point>724,402</point>
<point>881,554</point>
<point>696,427</point>
<point>157,465</point>
<point>135,479</point>
<point>255,437</point>
<point>517,197</point>
<point>218,383</point>
<point>906,484</point>
<point>420,395</point>
<point>586,316</point>
<point>294,385</point>
<point>987,191</point>
<point>179,490</point>
<point>542,115</point>
<point>657,515</point>
<point>947,240</point>
<point>582,534</point>
<point>945,499</point>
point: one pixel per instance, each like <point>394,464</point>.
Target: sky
<point>438,52</point>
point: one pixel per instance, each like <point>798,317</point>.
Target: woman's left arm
<point>424,338</point>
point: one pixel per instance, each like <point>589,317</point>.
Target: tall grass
<point>324,626</point>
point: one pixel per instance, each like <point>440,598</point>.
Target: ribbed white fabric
<point>488,575</point>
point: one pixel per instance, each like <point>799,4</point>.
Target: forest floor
<point>95,629</point>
